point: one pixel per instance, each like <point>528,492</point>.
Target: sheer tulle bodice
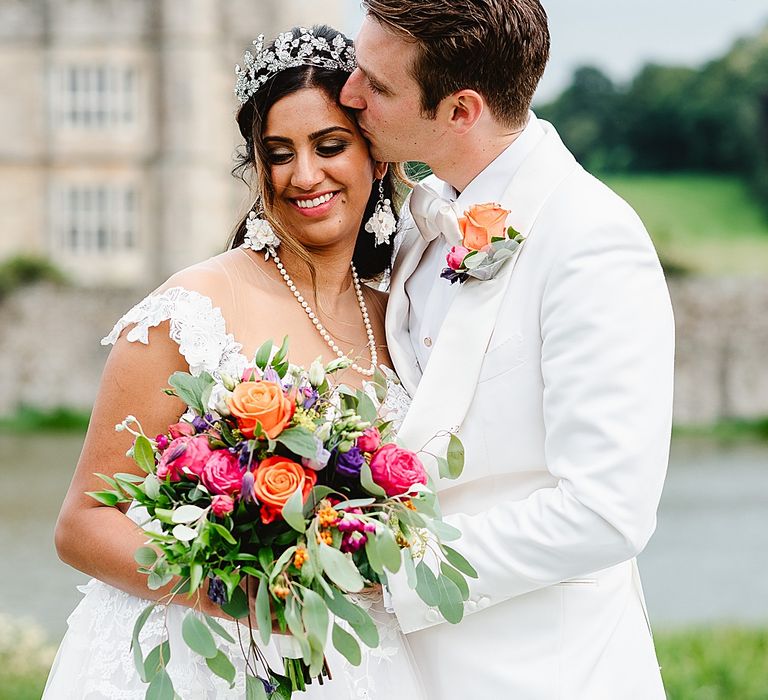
<point>94,660</point>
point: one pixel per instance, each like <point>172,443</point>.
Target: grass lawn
<point>702,223</point>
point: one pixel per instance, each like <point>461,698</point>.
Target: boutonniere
<point>486,244</point>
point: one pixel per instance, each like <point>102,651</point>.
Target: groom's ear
<point>379,170</point>
<point>464,109</point>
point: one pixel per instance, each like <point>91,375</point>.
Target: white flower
<point>218,400</point>
<point>259,234</point>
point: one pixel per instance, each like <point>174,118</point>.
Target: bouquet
<point>283,493</point>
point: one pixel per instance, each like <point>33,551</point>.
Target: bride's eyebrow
<point>314,136</point>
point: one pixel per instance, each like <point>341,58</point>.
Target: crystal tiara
<point>290,51</point>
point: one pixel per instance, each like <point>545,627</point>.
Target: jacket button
<point>428,342</point>
<point>483,602</point>
<point>432,615</point>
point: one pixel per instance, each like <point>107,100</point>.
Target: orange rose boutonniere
<point>486,244</point>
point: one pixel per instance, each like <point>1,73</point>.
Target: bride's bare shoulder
<point>216,278</point>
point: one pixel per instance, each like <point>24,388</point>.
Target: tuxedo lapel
<point>398,310</point>
<point>440,405</point>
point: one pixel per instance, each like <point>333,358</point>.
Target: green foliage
<point>22,270</point>
<point>714,664</point>
<point>709,224</point>
<point>732,430</point>
<point>28,419</point>
<point>668,118</point>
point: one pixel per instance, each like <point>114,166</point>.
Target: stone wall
<point>50,353</point>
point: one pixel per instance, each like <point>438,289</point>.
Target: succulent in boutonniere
<point>487,243</point>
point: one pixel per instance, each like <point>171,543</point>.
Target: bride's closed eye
<point>326,149</point>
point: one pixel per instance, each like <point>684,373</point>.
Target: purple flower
<point>349,463</point>
<point>310,397</point>
<point>202,423</point>
<point>269,688</point>
<point>271,375</point>
<point>217,591</point>
<point>246,487</point>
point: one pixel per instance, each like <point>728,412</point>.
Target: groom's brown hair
<point>498,48</point>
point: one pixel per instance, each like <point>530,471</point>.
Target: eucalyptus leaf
<point>237,606</point>
<point>282,560</point>
<point>218,629</point>
<point>456,576</point>
<point>293,511</point>
<point>451,604</point>
<point>197,636</point>
<point>195,576</point>
<point>374,557</point>
<point>367,482</point>
<point>366,408</point>
<point>409,567</point>
<point>442,529</point>
<point>222,532</point>
<point>184,533</point>
<point>388,549</point>
<point>222,667</point>
<point>191,389</point>
<point>161,687</point>
<point>473,261</point>
<point>346,645</point>
<point>266,559</point>
<point>299,440</point>
<point>130,478</point>
<point>358,618</point>
<point>355,503</point>
<point>187,514</point>
<point>340,569</point>
<point>138,657</point>
<point>315,616</point>
<point>108,479</point>
<point>254,688</point>
<point>151,486</point>
<point>426,584</point>
<point>156,660</point>
<point>458,561</point>
<point>263,612</point>
<point>145,556</point>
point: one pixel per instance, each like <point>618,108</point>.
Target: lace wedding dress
<point>94,660</point>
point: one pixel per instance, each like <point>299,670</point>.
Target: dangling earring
<point>259,235</point>
<point>382,222</point>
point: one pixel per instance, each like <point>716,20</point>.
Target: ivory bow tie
<point>434,215</point>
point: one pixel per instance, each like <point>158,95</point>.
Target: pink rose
<point>222,505</point>
<point>182,429</point>
<point>370,440</point>
<point>456,256</point>
<point>222,473</point>
<point>396,469</point>
<point>184,452</point>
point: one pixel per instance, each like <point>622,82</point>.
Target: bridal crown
<point>288,51</point>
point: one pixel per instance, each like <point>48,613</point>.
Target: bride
<point>319,196</point>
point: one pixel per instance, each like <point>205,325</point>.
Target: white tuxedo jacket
<point>557,375</point>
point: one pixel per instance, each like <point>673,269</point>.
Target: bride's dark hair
<point>370,260</point>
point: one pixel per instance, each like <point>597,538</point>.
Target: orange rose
<point>481,223</point>
<point>261,403</point>
<point>276,480</point>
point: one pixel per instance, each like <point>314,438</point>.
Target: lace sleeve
<point>196,325</point>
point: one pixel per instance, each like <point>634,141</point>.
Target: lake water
<point>707,562</point>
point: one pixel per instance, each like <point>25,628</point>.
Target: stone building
<point>117,129</point>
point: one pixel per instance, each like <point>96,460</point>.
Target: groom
<point>556,373</point>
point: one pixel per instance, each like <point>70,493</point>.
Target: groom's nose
<point>351,95</point>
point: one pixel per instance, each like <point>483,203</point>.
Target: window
<point>96,219</point>
<point>94,97</point>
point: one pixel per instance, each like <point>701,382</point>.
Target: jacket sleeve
<point>607,363</point>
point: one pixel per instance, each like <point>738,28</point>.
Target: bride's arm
<point>100,540</point>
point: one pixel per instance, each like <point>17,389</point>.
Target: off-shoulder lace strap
<point>196,325</point>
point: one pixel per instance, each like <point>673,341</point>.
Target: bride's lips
<point>320,209</point>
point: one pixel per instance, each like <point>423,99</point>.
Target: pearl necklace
<point>366,372</point>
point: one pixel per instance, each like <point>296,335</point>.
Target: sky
<point>619,37</point>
